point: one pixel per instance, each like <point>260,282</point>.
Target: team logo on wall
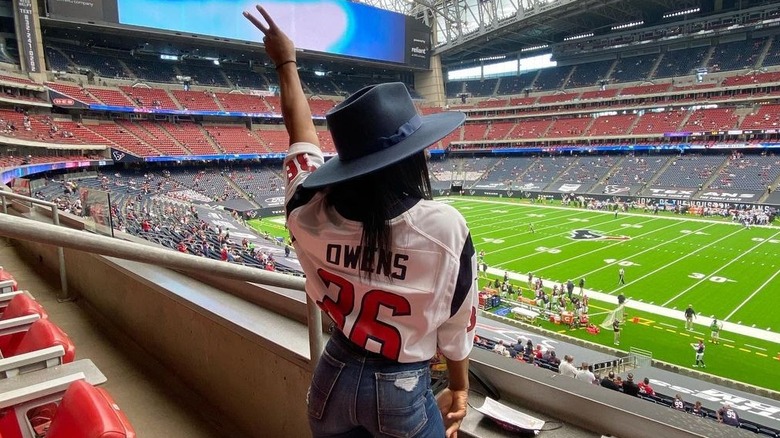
<point>617,190</point>
<point>569,187</point>
<point>118,156</point>
<point>530,186</point>
<point>584,234</point>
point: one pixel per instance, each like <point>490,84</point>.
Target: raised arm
<point>295,108</point>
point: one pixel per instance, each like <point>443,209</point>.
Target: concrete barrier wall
<point>249,363</point>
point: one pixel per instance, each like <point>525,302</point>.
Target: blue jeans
<point>357,393</point>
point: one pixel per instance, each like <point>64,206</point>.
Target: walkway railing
<point>34,231</point>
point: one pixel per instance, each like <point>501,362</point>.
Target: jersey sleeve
<point>301,160</point>
<point>456,336</point>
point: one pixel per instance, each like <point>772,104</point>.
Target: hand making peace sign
<point>278,46</point>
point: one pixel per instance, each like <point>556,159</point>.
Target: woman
<point>394,270</point>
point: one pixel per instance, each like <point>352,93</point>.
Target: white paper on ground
<point>497,411</point>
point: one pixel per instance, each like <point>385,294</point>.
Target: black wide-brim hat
<point>375,127</point>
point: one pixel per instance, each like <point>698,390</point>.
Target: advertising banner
<point>28,34</point>
<point>96,210</point>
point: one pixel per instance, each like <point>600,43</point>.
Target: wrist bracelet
<point>285,62</point>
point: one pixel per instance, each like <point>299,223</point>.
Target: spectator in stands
<point>585,373</point>
<point>609,382</point>
<point>500,348</point>
<point>678,403</point>
<point>567,367</point>
<point>645,388</point>
<point>552,359</point>
<point>379,174</point>
<point>698,410</point>
<point>727,415</point>
<point>629,387</point>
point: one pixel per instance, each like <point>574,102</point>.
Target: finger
<point>256,22</point>
<point>268,19</point>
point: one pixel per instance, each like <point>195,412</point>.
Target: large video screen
<point>329,26</point>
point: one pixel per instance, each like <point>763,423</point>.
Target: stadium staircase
<point>775,184</point>
<point>764,52</point>
<point>655,66</point>
<point>210,140</point>
<point>741,113</point>
<point>658,173</point>
<point>611,69</point>
<point>684,122</point>
<point>708,56</point>
<point>610,171</point>
<point>574,163</point>
<point>568,76</point>
<point>716,174</point>
<point>241,191</point>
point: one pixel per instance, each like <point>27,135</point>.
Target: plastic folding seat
<point>749,427</point>
<point>44,334</point>
<point>89,412</point>
<point>20,305</point>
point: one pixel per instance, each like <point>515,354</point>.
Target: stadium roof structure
<point>467,30</point>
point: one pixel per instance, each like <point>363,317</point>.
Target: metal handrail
<point>55,217</point>
<point>29,230</point>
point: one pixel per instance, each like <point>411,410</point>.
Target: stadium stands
<point>110,96</point>
<point>681,62</point>
<point>235,139</point>
<point>196,100</point>
<point>658,122</point>
<point>748,173</point>
<point>736,55</point>
<point>552,78</point>
<point>192,137</point>
<point>150,97</point>
<point>588,74</point>
<point>203,73</point>
<point>513,85</point>
<point>569,127</point>
<point>689,171</point>
<point>713,119</point>
<point>72,91</point>
<point>615,125</point>
<point>481,88</point>
<point>634,68</point>
<point>242,102</point>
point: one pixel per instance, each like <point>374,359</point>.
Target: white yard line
<point>675,261</point>
<point>719,269</point>
<point>574,242</point>
<point>694,219</point>
<point>754,347</point>
<point>751,295</point>
<point>624,258</point>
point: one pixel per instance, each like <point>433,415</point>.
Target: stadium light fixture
<point>627,25</point>
<point>578,37</point>
<point>681,13</point>
<point>492,58</point>
<point>528,49</point>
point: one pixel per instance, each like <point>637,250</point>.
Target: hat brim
<point>434,127</point>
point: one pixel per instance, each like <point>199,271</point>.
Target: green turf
<point>722,269</point>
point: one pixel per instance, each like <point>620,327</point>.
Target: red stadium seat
<point>44,334</point>
<point>89,412</point>
<point>20,305</point>
<point>7,281</point>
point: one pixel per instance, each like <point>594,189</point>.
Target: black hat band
<point>401,133</point>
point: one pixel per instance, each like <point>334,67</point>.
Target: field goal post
<point>642,358</point>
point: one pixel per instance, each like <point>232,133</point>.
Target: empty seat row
<point>44,393</point>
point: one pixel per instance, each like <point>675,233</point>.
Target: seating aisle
<point>156,404</point>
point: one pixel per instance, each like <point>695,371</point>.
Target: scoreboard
<point>334,27</point>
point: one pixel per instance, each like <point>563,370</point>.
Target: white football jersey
<point>430,298</point>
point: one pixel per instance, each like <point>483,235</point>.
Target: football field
<point>722,269</point>
<point>670,261</point>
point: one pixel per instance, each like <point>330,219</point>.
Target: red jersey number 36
<point>366,326</point>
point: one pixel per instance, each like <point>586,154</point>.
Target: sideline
<point>679,315</point>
